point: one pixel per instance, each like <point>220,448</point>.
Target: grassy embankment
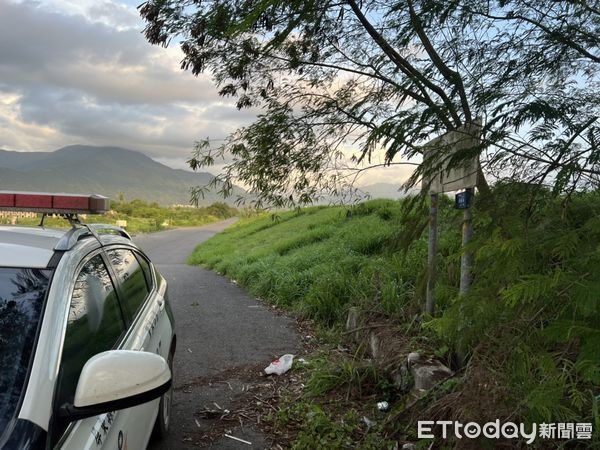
<point>143,217</point>
<point>530,327</point>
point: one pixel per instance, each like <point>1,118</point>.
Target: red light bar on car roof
<point>42,202</point>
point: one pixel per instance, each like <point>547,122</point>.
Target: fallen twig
<point>238,439</point>
<point>225,382</point>
<point>266,403</point>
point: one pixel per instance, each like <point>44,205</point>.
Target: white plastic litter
<point>383,406</point>
<point>281,365</point>
<point>368,422</point>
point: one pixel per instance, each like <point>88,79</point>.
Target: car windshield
<point>22,293</point>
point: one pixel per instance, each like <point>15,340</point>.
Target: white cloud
<point>80,72</point>
<point>16,133</point>
<point>117,15</point>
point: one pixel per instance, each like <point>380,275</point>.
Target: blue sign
<point>462,200</point>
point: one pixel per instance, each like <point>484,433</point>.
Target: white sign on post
<point>439,178</point>
<point>438,153</point>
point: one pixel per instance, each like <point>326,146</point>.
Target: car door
<point>149,326</point>
<point>96,323</point>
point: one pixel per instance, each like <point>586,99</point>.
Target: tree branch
<point>407,68</point>
<point>562,37</point>
<point>452,76</point>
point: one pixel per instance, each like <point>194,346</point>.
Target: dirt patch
<point>239,397</point>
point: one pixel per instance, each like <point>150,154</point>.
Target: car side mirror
<point>117,379</point>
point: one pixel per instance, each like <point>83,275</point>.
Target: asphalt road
<point>221,332</point>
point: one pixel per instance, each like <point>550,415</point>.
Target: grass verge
<point>527,333</point>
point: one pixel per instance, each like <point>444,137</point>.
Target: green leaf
<point>530,289</point>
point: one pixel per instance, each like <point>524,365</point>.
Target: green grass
<point>317,261</point>
<point>321,431</point>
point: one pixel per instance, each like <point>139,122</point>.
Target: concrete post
<point>431,255</point>
<point>466,260</point>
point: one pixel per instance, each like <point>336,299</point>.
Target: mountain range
<point>102,170</point>
<point>112,170</point>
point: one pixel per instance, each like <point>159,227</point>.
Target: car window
<point>131,276</point>
<point>147,270</point>
<point>22,293</point>
<point>95,323</point>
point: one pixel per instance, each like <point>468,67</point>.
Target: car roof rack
<point>68,241</point>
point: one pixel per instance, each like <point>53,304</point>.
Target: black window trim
<point>132,316</point>
<point>115,281</point>
<point>125,313</point>
<point>140,255</point>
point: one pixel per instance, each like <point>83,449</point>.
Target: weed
<point>319,428</point>
<point>355,376</point>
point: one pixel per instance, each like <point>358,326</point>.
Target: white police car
<point>86,333</point>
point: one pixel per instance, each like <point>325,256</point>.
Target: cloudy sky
<point>81,72</point>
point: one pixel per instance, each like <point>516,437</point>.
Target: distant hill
<point>103,170</point>
<point>385,190</point>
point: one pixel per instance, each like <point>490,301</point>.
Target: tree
<point>330,75</point>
